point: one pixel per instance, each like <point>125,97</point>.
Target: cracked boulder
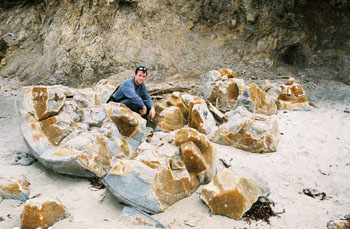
<point>14,189</point>
<point>230,195</point>
<point>257,101</point>
<point>68,131</point>
<point>167,169</point>
<point>42,212</point>
<point>292,96</point>
<point>247,131</point>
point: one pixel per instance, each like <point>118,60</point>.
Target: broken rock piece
<point>171,114</point>
<point>257,101</point>
<point>42,212</point>
<point>140,217</point>
<point>200,117</point>
<point>292,96</point>
<point>14,189</point>
<point>230,195</point>
<point>251,132</point>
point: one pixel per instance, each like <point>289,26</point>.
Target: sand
<point>313,153</point>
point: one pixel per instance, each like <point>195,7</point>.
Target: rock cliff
<point>80,42</point>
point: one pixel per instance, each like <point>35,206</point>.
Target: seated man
<point>133,93</point>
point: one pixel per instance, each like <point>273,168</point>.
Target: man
<point>133,93</point>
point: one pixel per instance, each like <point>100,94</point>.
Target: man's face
<point>140,76</point>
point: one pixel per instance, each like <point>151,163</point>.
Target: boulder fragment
<point>14,189</point>
<point>257,101</point>
<point>292,96</point>
<point>172,113</point>
<point>165,171</point>
<point>225,92</point>
<point>251,132</point>
<point>140,217</point>
<point>343,223</point>
<point>201,118</point>
<point>230,195</point>
<point>42,212</point>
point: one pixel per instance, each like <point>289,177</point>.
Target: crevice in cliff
<point>8,4</point>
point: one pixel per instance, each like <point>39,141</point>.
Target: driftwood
<point>167,90</point>
<point>219,116</point>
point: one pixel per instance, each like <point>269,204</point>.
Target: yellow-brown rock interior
<point>172,113</point>
<point>197,152</point>
<point>126,120</point>
<point>263,104</point>
<point>42,214</point>
<point>292,96</point>
<point>230,195</point>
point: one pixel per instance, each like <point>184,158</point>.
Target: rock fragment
<point>172,113</point>
<point>257,101</point>
<point>42,212</point>
<point>292,96</point>
<point>14,189</point>
<point>200,117</point>
<point>230,195</point>
<point>140,217</point>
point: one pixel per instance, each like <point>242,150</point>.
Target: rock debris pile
<point>74,132</point>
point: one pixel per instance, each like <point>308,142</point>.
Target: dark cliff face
<point>79,42</point>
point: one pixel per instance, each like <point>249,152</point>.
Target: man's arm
<point>147,100</point>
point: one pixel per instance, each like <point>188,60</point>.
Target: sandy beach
<point>313,153</point>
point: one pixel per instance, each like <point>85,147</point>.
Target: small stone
<point>14,189</point>
<point>339,223</point>
<point>22,159</point>
<point>42,212</point>
<point>140,217</point>
<point>347,110</point>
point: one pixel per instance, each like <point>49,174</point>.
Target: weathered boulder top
<point>71,132</point>
<point>166,170</point>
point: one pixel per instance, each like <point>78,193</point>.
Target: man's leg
<point>131,105</point>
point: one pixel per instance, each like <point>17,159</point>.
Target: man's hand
<point>143,111</point>
<point>152,112</point>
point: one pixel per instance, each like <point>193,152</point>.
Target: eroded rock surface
<point>292,96</point>
<point>230,195</point>
<point>166,170</point>
<point>251,132</point>
<point>70,132</point>
<point>14,189</point>
<point>42,212</point>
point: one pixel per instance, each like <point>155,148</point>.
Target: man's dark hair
<point>141,68</point>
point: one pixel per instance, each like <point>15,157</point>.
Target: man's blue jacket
<point>134,97</point>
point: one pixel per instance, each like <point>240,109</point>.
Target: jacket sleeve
<point>128,90</point>
<point>147,98</point>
